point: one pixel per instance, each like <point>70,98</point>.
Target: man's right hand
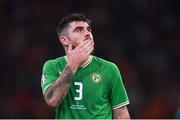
<point>79,54</point>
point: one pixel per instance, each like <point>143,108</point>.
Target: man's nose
<point>87,35</point>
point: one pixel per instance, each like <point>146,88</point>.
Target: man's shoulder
<point>54,61</point>
<point>104,61</point>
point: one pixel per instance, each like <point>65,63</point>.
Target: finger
<point>89,48</point>
<point>70,47</point>
<point>89,43</point>
<point>81,45</point>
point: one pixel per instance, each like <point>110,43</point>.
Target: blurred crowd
<point>140,36</point>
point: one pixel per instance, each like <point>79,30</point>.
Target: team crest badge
<point>96,77</point>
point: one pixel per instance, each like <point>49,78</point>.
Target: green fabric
<point>95,89</point>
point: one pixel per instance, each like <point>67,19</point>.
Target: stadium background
<point>140,36</point>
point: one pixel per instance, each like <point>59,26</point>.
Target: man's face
<point>78,32</point>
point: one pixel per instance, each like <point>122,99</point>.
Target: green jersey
<point>95,90</point>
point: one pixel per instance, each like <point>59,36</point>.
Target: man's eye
<point>78,30</point>
<point>89,30</point>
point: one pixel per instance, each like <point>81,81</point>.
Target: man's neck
<point>84,63</point>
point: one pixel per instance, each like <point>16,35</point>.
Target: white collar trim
<point>83,65</point>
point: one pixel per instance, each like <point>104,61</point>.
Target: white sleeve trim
<point>46,88</point>
<point>120,105</point>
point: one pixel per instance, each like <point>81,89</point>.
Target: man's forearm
<point>58,90</point>
<point>121,113</point>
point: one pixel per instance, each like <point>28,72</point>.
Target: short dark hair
<point>64,22</point>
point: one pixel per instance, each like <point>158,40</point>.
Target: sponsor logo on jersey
<point>96,77</point>
<point>43,79</point>
<point>82,107</point>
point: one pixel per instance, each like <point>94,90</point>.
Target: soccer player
<point>80,85</point>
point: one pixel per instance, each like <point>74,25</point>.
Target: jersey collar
<point>83,65</point>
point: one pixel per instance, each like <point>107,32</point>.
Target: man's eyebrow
<point>81,27</point>
<point>78,27</point>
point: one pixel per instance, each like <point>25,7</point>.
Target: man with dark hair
<point>80,85</point>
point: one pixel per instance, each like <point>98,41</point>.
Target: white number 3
<point>79,90</point>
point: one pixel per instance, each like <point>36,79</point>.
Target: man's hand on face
<point>79,54</point>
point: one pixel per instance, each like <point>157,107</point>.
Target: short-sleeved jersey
<point>95,90</point>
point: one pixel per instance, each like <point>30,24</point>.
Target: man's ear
<point>64,40</point>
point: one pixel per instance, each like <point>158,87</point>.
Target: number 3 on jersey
<point>78,90</point>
